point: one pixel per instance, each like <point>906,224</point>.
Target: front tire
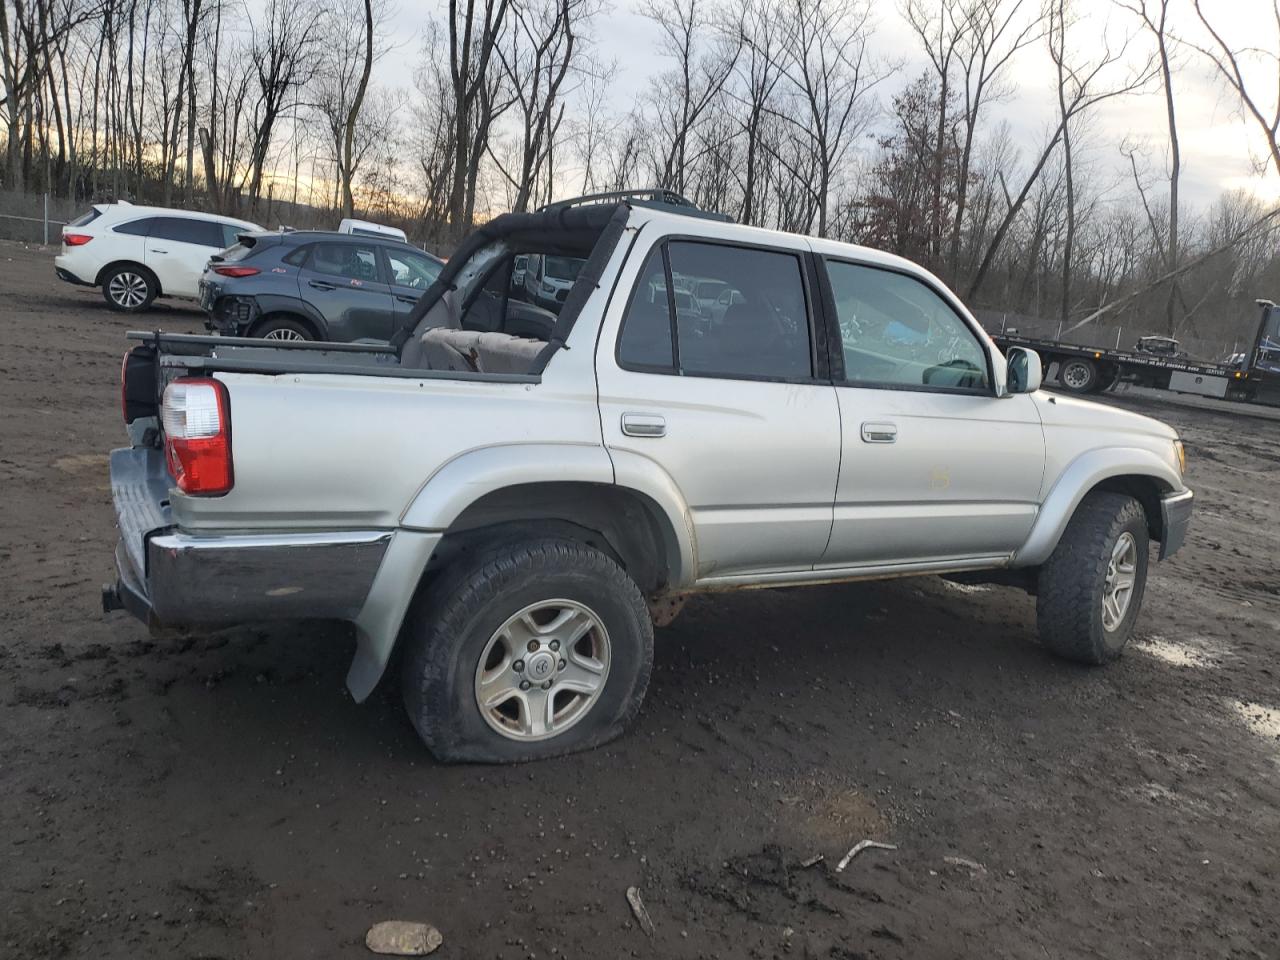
<point>527,651</point>
<point>1090,589</point>
<point>129,288</point>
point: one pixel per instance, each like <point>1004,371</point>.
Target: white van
<point>364,228</point>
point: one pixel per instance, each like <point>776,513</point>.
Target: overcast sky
<point>1218,146</point>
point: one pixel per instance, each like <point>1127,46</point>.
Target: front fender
<point>1082,475</point>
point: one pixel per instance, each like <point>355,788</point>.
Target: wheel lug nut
<point>525,684</point>
<point>533,645</point>
<point>518,666</point>
<point>547,685</point>
<point>555,644</point>
<point>561,665</point>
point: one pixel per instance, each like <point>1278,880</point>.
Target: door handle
<point>403,299</point>
<point>879,432</point>
<point>154,250</point>
<point>320,284</point>
<point>643,425</point>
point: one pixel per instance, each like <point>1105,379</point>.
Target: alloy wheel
<point>542,670</point>
<point>128,290</point>
<point>1122,574</point>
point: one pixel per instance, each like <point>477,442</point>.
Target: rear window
<point>86,218</point>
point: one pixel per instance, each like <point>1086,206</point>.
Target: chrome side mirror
<point>1024,373</point>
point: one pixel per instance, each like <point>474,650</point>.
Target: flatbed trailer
<point>1090,369</point>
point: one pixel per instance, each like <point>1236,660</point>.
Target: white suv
<point>136,254</point>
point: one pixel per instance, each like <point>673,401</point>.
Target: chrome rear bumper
<point>170,578</point>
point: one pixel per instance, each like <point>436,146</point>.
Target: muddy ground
<point>222,796</point>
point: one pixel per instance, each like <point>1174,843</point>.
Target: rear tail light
<point>232,271</point>
<point>196,415</point>
<point>76,239</point>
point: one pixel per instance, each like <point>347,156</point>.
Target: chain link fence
<point>33,218</point>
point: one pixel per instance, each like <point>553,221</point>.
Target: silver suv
<point>519,512</point>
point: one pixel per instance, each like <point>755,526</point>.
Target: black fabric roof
<point>568,231</point>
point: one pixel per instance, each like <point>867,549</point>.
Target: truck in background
<point>1252,376</point>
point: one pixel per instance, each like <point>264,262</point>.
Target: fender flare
<point>1082,475</point>
<point>464,480</point>
<point>469,476</point>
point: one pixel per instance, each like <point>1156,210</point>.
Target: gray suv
<point>313,285</point>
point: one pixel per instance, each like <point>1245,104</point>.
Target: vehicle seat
<point>478,351</point>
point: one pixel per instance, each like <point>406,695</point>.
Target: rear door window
<point>202,233</point>
<point>352,261</point>
<point>756,326</point>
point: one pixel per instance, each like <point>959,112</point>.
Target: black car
<point>312,285</point>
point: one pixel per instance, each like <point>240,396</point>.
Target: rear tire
<point>1082,610</point>
<point>282,328</point>
<point>1078,375</point>
<point>129,288</point>
<point>461,680</point>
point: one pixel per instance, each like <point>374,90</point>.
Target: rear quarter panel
<point>314,451</point>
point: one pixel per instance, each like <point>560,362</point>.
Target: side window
<point>412,269</point>
<point>646,329</point>
<point>230,232</point>
<point>296,258</point>
<point>204,233</point>
<point>896,331</point>
<point>354,261</point>
<point>758,323</point>
<point>135,228</point>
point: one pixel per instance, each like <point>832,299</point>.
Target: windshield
<point>563,268</point>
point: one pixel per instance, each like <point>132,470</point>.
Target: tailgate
<point>140,488</point>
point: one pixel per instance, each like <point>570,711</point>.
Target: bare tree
<point>757,74</point>
<point>284,57</point>
<point>825,59</point>
<point>537,58</point>
<point>1084,85</point>
<point>942,30</point>
<point>702,60</point>
<point>1232,65</point>
<point>1154,15</point>
<point>997,31</point>
<point>474,33</point>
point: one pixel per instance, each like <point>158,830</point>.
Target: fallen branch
<point>859,847</point>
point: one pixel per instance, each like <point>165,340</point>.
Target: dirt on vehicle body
<point>217,795</point>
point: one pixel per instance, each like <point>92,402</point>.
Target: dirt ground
<point>222,796</point>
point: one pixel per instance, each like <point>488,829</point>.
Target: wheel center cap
<point>540,666</point>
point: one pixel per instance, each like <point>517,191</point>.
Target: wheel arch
<point>517,490</point>
<point>1134,471</point>
<point>271,307</point>
<point>108,268</point>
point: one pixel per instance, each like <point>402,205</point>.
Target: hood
<point>1057,410</point>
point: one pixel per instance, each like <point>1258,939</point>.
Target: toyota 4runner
<point>518,512</point>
